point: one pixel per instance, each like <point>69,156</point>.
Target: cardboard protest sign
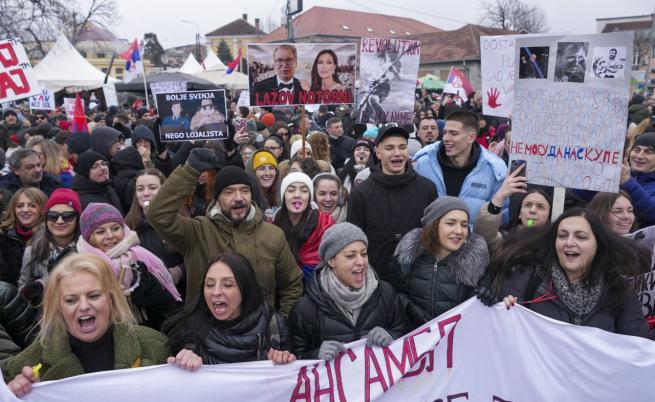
<point>16,78</point>
<point>497,64</point>
<point>646,238</point>
<point>45,100</point>
<point>190,116</point>
<point>244,98</point>
<point>301,73</point>
<point>568,122</point>
<point>167,87</point>
<point>69,107</point>
<point>387,80</point>
<point>111,98</point>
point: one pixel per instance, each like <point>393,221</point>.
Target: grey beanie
<point>337,237</point>
<point>440,207</point>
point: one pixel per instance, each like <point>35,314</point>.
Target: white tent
<point>65,68</point>
<point>190,66</point>
<point>212,62</point>
<point>232,81</point>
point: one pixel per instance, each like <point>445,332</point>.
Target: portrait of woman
<point>324,72</point>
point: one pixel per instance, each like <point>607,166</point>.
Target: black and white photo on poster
<point>388,69</point>
<point>189,116</point>
<point>571,61</point>
<point>609,62</point>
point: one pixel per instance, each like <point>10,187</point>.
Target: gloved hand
<point>202,159</point>
<point>330,349</point>
<point>33,293</point>
<point>486,295</point>
<point>378,337</point>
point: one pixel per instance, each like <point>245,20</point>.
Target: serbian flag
<point>457,84</point>
<point>79,119</point>
<point>234,64</point>
<point>133,63</point>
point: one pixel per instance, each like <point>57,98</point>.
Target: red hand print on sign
<point>493,95</point>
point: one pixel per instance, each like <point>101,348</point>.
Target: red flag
<point>79,119</point>
<point>231,66</point>
<point>458,84</point>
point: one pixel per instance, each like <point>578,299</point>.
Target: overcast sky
<point>163,17</point>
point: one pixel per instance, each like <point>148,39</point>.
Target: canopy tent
<point>193,82</point>
<point>65,68</point>
<point>190,66</point>
<point>212,61</point>
<point>234,81</point>
<point>431,81</point>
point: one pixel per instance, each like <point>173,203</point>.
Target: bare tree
<point>643,42</point>
<point>513,15</point>
<point>39,21</point>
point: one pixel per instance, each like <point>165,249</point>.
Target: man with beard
<point>233,223</point>
<point>428,131</point>
<point>571,61</point>
<point>26,171</point>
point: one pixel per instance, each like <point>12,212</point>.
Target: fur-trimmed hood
<point>467,265</point>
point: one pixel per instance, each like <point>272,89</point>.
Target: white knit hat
<point>296,177</point>
<point>295,147</point>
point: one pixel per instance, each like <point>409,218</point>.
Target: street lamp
<point>197,39</point>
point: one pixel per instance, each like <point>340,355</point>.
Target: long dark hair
<point>617,258</point>
<point>135,214</point>
<point>43,242</point>
<point>298,234</point>
<point>517,203</point>
<point>316,79</point>
<point>602,205</point>
<point>192,323</point>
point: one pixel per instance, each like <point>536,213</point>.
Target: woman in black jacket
<point>92,183</point>
<point>229,321</point>
<point>124,167</point>
<point>577,271</point>
<point>344,300</point>
<point>439,266</point>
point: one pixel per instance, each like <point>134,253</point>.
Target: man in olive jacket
<point>232,224</point>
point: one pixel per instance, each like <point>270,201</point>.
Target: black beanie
<point>85,161</point>
<point>228,176</point>
<point>646,140</point>
<point>78,143</point>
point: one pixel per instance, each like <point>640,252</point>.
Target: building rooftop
<point>628,26</point>
<point>239,27</point>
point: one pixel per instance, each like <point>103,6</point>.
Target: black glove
<point>202,159</point>
<point>33,293</point>
<point>486,295</point>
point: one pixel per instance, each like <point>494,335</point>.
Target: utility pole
<point>290,33</point>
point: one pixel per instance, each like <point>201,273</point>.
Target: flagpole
<point>145,84</point>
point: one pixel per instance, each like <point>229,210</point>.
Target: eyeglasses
<point>68,216</point>
<point>287,62</point>
<point>97,166</point>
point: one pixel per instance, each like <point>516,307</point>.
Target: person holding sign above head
<point>176,118</point>
<point>285,63</point>
<point>229,321</point>
<point>87,326</point>
<point>574,270</point>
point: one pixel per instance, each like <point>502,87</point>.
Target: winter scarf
<point>577,297</point>
<point>128,250</point>
<point>349,300</point>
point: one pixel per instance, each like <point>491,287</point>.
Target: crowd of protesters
<point>119,250</point>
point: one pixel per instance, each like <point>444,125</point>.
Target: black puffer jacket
<point>429,288</point>
<point>317,318</point>
<point>16,316</point>
<point>91,191</point>
<point>628,321</point>
<point>249,340</point>
<point>124,166</point>
<point>340,149</point>
<point>12,248</point>
<point>386,207</point>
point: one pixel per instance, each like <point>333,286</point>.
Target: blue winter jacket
<point>479,186</point>
<point>641,187</point>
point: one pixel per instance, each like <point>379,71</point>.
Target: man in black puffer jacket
<point>17,322</point>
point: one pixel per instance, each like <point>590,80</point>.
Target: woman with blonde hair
<point>20,220</point>
<point>87,326</point>
<point>48,154</point>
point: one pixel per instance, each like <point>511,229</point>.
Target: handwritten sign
<point>568,123</point>
<point>167,87</point>
<point>497,64</point>
<point>16,78</point>
<point>45,100</point>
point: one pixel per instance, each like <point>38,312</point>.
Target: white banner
<point>111,99</point>
<point>570,110</point>
<point>45,100</point>
<point>166,87</point>
<point>470,353</point>
<point>16,78</point>
<point>497,64</point>
<point>69,107</point>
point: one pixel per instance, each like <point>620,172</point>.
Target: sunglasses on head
<point>67,216</point>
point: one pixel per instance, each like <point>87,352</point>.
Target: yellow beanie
<point>261,158</point>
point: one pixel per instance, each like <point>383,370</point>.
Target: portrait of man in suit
<point>176,119</point>
<point>285,63</point>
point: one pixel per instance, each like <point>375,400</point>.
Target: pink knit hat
<point>97,214</point>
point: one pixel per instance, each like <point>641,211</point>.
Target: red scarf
<point>24,233</point>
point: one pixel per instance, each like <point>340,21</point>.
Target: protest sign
<point>387,80</point>
<point>568,123</point>
<point>45,100</point>
<point>470,353</point>
<point>111,99</point>
<point>16,78</point>
<point>244,99</point>
<point>646,238</point>
<point>301,73</point>
<point>167,87</point>
<point>190,116</point>
<point>69,107</point>
<point>497,65</point>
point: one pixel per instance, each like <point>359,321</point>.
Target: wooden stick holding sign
<point>559,194</point>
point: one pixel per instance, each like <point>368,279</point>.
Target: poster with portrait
<point>609,62</point>
<point>388,69</point>
<point>301,73</point>
<point>191,116</point>
<point>569,122</point>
